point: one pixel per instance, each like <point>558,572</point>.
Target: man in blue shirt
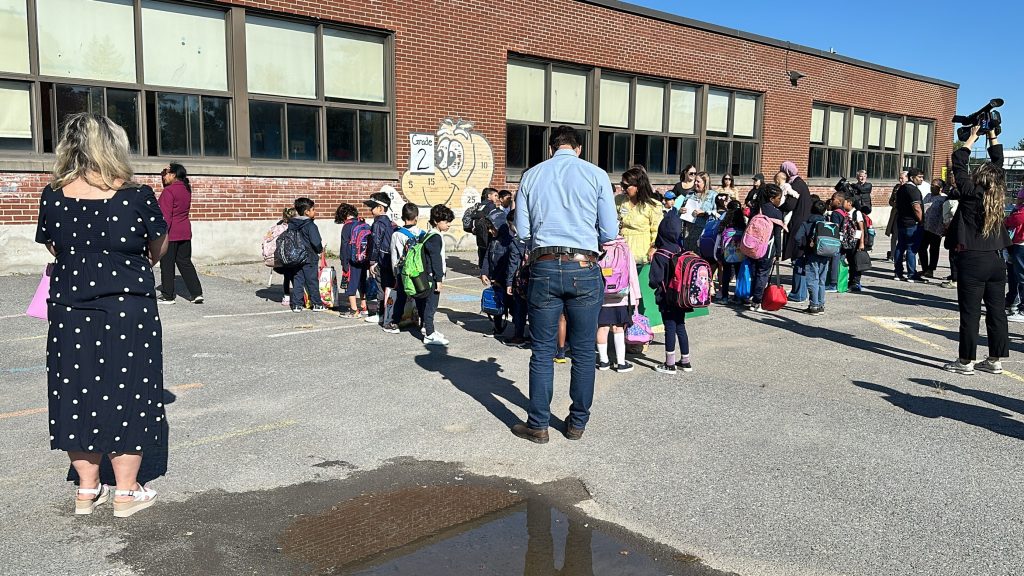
<point>565,210</point>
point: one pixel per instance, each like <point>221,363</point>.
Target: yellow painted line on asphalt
<point>31,411</point>
<point>236,434</point>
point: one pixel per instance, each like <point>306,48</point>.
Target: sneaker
<point>163,300</point>
<point>888,256</point>
<point>560,357</point>
<point>286,301</point>
<point>956,366</point>
<point>818,311</point>
<point>684,366</point>
<point>604,365</point>
<point>296,308</point>
<point>435,339</point>
<point>948,284</point>
<point>832,289</point>
<point>391,328</point>
<point>624,367</point>
<point>319,307</point>
<point>372,319</point>
<point>901,278</point>
<point>197,300</point>
<point>756,308</point>
<point>990,366</point>
<point>856,288</point>
<point>1015,317</point>
<point>928,274</point>
<point>666,369</point>
<point>811,310</point>
<point>918,278</point>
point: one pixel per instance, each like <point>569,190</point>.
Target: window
<point>183,125</point>
<point>731,129</point>
<point>845,140</point>
<point>63,100</point>
<point>540,96</point>
<point>87,39</point>
<point>14,37</point>
<point>352,102</point>
<point>193,56</point>
<point>15,116</point>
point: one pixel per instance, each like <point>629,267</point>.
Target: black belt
<point>563,251</point>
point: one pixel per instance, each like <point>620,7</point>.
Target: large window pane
<point>649,111</point>
<point>178,120</point>
<point>682,110</point>
<point>373,137</point>
<point>74,99</point>
<point>341,135</point>
<point>859,161</point>
<point>92,39</point>
<point>681,151</point>
<point>515,146</point>
<point>649,152</point>
<point>537,145</point>
<point>614,102</point>
<point>922,137</point>
<point>280,57</point>
<point>569,96</point>
<point>818,125</point>
<point>216,126</point>
<point>353,66</point>
<point>716,156</point>
<point>857,132</point>
<point>891,132</point>
<point>836,163</point>
<point>266,129</point>
<point>908,137</point>
<point>718,112</point>
<point>15,116</point>
<point>524,92</point>
<point>613,151</point>
<point>303,132</point>
<point>836,125</point>
<point>816,163</point>
<point>743,154</point>
<point>184,46</point>
<point>743,117</point>
<point>13,36</point>
<point>874,132</point>
<point>123,109</point>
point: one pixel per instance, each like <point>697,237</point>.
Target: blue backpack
<point>708,238</point>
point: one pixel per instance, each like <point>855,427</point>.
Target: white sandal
<point>102,494</point>
<point>142,498</point>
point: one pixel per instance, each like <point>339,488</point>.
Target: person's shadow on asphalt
<point>932,407</point>
<point>481,380</point>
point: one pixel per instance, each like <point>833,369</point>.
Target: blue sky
<point>990,64</point>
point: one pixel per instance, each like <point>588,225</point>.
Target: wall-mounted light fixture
<point>794,76</point>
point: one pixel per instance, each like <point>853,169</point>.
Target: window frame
<point>912,159</point>
<point>236,94</point>
<point>757,139</point>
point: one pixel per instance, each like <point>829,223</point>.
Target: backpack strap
<point>407,233</point>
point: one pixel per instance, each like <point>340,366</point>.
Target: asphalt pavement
<point>799,445</point>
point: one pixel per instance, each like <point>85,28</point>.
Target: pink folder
<point>37,308</point>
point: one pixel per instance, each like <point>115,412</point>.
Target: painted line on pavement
<point>20,370</point>
<point>31,411</point>
<point>248,314</point>
<point>315,330</point>
<point>12,316</point>
<point>236,434</point>
<point>40,337</point>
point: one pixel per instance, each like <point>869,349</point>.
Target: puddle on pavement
<point>407,518</point>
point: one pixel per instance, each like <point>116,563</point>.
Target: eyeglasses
<point>165,172</point>
<point>726,179</point>
<point>623,185</point>
<point>691,173</point>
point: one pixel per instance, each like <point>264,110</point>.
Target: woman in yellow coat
<point>639,214</point>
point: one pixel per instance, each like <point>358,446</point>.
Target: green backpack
<point>415,278</point>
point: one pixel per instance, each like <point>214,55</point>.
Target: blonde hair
<point>92,143</point>
<point>992,179</point>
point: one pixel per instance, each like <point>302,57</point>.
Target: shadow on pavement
<point>1005,402</point>
<point>932,407</point>
<point>908,297</point>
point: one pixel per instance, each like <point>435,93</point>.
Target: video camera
<point>844,185</point>
<point>987,118</point>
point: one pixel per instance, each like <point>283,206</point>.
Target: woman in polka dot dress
<point>104,357</point>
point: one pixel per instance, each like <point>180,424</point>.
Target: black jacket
<point>862,201</point>
<point>964,232</point>
<point>310,232</point>
<point>801,209</point>
<point>433,261</point>
<point>380,239</point>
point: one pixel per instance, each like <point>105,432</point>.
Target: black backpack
<point>468,218</point>
<point>293,251</point>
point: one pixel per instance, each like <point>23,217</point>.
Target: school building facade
<point>267,100</point>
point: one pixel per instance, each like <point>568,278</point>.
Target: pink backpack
<point>688,285</point>
<point>269,246</point>
<point>615,266</point>
<point>639,332</point>
<point>758,236</point>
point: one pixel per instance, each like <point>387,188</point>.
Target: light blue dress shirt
<point>566,201</point>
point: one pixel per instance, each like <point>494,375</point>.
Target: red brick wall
<point>450,61</point>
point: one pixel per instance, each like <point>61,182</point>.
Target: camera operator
<point>862,192</point>
<point>977,236</point>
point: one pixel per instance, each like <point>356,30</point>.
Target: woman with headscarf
<point>797,203</point>
<point>977,236</point>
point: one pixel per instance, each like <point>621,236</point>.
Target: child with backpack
<point>727,248</point>
<point>379,252</point>
<point>306,277</point>
<point>621,295</point>
<point>817,238</point>
<point>674,317</point>
<point>347,215</point>
<point>286,286</point>
<point>400,240</point>
<point>762,241</point>
<point>494,269</point>
<point>517,280</point>
<point>855,236</point>
<point>434,261</point>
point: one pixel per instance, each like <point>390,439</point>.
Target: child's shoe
<point>391,328</point>
<point>296,308</point>
<point>435,339</point>
<point>624,367</point>
<point>604,365</point>
<point>372,318</point>
<point>684,366</point>
<point>319,307</point>
<point>666,369</point>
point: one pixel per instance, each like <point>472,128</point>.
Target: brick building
<point>263,101</point>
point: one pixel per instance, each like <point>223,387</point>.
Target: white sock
<point>602,350</point>
<point>620,347</point>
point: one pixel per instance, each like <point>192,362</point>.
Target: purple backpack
<point>615,266</point>
<point>639,332</point>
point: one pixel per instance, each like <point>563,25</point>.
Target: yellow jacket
<point>639,225</point>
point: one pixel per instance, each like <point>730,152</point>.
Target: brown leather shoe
<point>573,433</point>
<point>538,436</point>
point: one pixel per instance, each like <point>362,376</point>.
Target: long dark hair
<point>734,217</point>
<point>637,176</point>
<point>180,174</point>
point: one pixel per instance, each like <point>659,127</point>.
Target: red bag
<point>775,296</point>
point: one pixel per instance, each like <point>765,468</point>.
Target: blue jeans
<point>519,310</point>
<point>817,276</point>
<point>799,291</point>
<point>833,271</point>
<point>306,280</point>
<point>579,290</point>
<point>907,241</point>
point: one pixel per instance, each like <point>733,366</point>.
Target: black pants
<point>761,272</point>
<point>426,307</point>
<point>179,253</point>
<point>398,308</point>
<point>982,276</point>
<point>952,265</point>
<point>929,251</point>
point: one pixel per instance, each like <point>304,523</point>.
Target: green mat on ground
<point>647,306</point>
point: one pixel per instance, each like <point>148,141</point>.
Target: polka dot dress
<point>104,358</point>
